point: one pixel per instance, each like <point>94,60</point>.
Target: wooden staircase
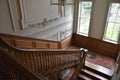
<point>93,71</point>
<point>59,59</point>
<point>20,64</point>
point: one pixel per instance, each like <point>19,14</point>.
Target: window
<point>113,23</point>
<point>84,17</point>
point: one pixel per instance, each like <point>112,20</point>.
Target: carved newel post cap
<point>84,50</point>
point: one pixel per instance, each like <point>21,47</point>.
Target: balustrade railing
<point>45,62</point>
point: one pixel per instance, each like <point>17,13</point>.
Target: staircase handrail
<point>51,60</point>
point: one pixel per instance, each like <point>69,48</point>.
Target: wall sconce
<point>61,5</point>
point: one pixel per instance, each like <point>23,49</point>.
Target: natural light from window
<point>113,23</point>
<point>84,17</point>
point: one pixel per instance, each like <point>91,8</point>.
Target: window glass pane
<point>82,21</point>
<point>119,10</point>
<point>114,8</point>
<point>115,32</point>
<point>118,18</point>
<point>84,16</point>
<point>113,23</point>
<point>109,30</point>
<point>112,17</point>
<point>84,26</point>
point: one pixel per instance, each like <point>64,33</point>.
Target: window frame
<point>106,25</point>
<point>79,13</point>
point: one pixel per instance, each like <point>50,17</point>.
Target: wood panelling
<point>91,44</point>
<point>9,41</point>
<point>106,47</point>
<point>84,41</point>
<point>24,44</point>
<point>96,45</point>
<point>53,46</point>
<point>66,42</point>
<point>109,49</point>
<point>42,45</point>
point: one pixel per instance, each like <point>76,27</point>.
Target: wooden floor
<point>97,58</point>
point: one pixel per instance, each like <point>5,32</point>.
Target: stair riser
<point>97,72</point>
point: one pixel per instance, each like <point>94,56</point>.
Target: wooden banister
<point>12,69</point>
<point>46,62</point>
<point>80,65</point>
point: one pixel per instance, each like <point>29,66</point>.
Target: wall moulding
<point>11,15</point>
<point>43,23</point>
<point>31,12</point>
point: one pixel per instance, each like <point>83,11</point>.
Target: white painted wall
<point>100,8</point>
<point>26,16</point>
<point>5,21</point>
<point>34,11</point>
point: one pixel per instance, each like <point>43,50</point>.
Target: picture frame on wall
<point>57,2</point>
<point>54,2</point>
<point>69,2</point>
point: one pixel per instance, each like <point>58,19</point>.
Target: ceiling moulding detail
<point>32,15</point>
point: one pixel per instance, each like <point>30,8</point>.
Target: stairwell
<point>90,71</point>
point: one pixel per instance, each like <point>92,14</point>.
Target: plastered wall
<point>5,20</point>
<point>34,18</point>
<point>99,14</point>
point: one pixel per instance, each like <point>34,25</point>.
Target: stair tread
<point>80,78</point>
<point>89,75</point>
<point>95,75</point>
<point>99,68</point>
<point>84,77</point>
